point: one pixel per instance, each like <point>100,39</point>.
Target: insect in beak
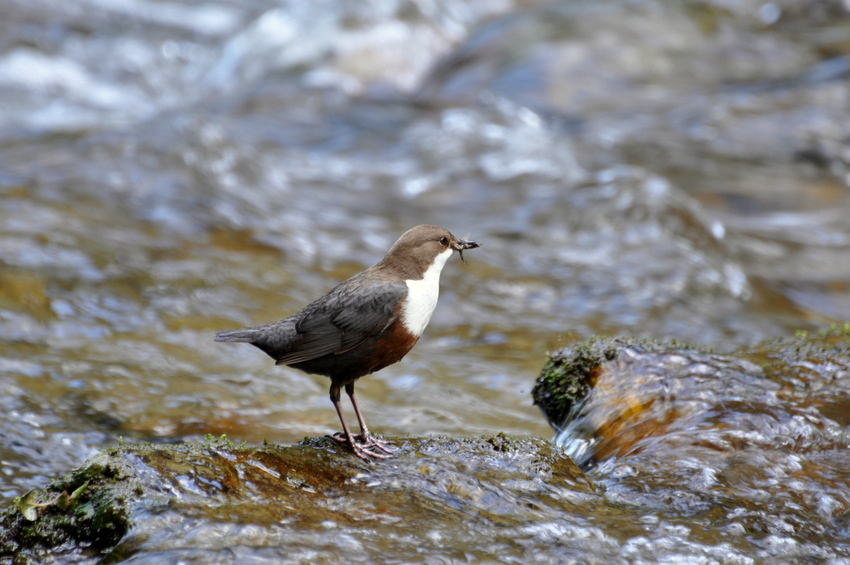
<point>464,243</point>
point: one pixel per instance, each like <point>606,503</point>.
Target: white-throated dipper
<point>364,324</point>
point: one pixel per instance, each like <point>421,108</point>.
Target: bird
<point>364,324</point>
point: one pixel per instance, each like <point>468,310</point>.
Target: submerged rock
<point>610,397</point>
<point>605,396</point>
<point>753,446</point>
<point>211,496</point>
<point>692,455</point>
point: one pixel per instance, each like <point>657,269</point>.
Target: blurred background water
<point>170,169</point>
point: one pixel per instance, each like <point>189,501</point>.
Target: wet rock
<point>149,497</point>
<point>610,397</point>
<point>606,395</point>
<point>753,443</point>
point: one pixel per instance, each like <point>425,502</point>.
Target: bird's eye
<point>444,241</point>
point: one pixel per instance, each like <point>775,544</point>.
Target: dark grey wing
<point>342,320</point>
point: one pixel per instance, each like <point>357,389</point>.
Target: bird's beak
<point>462,244</point>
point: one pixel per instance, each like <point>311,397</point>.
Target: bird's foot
<point>365,445</point>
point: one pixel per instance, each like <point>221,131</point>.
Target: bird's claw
<point>364,445</point>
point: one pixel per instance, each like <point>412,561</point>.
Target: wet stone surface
<point>752,446</point>
<point>198,501</point>
<point>671,450</point>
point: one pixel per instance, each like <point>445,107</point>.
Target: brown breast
<point>391,346</point>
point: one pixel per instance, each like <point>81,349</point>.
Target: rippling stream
<point>171,169</point>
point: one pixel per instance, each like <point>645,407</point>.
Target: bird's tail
<point>247,335</point>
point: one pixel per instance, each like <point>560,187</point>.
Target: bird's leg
<point>359,450</point>
<point>365,437</point>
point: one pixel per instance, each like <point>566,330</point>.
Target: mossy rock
<point>611,396</point>
<point>89,514</point>
<point>570,373</point>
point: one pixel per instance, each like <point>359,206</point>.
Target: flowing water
<point>171,169</point>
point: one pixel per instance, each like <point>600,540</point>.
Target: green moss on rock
<point>828,345</point>
<point>568,376</point>
<point>570,373</point>
<point>88,514</point>
<point>84,509</point>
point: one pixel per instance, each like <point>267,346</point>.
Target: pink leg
<point>365,437</point>
<point>361,451</point>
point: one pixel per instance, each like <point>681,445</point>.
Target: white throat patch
<point>422,296</point>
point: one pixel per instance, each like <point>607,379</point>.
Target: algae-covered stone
<point>751,445</point>
<point>179,499</point>
<point>85,510</point>
<point>571,373</point>
<point>613,397</point>
<point>568,376</point>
